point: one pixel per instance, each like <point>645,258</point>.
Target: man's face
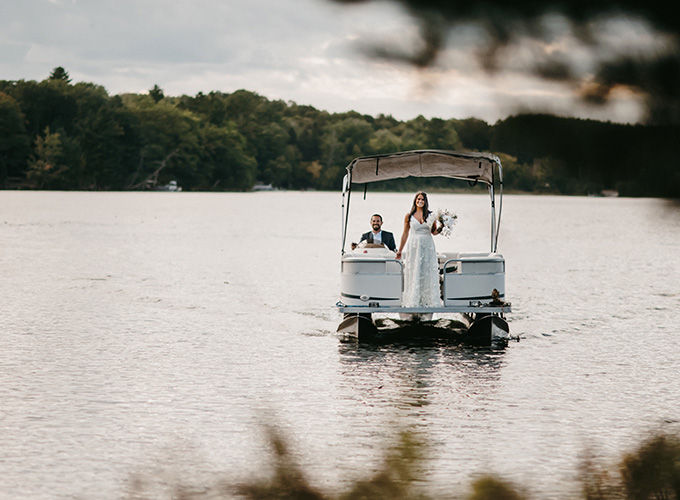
<point>376,223</point>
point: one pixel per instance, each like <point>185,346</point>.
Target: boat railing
<point>348,260</point>
<point>462,266</point>
<point>467,280</point>
<point>401,270</point>
<point>460,269</point>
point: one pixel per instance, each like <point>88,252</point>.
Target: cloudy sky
<point>307,51</point>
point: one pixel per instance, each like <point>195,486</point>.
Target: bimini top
<point>424,163</point>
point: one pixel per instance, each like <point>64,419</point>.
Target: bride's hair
<point>426,207</point>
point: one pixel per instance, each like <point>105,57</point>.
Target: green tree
<point>14,144</point>
<point>60,74</point>
<point>225,157</point>
<point>474,133</point>
<point>345,138</point>
<point>169,144</point>
<point>262,124</point>
<point>519,176</point>
<point>45,168</point>
<point>156,93</point>
<point>45,104</point>
<point>271,149</point>
<point>101,163</point>
<point>413,134</point>
<point>384,141</point>
<point>441,134</point>
<point>106,161</point>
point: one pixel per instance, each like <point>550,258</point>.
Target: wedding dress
<point>421,272</point>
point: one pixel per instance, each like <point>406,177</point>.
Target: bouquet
<point>444,219</point>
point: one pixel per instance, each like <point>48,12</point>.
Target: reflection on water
<point>418,375</point>
<point>139,325</point>
<point>420,386</point>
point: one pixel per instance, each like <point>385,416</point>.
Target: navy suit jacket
<point>387,239</point>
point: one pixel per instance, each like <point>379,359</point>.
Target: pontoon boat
<point>472,283</point>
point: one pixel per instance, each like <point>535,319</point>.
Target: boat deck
<point>470,309</point>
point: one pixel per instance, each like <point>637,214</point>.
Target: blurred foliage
<point>393,479</point>
<point>653,470</point>
<point>492,488</point>
<point>576,43</point>
<point>58,135</point>
<point>650,472</point>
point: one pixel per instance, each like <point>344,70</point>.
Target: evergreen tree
<point>60,74</point>
<point>156,93</point>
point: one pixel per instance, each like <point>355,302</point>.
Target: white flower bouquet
<point>444,219</point>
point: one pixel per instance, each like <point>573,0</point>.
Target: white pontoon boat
<point>472,283</point>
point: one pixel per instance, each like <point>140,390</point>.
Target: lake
<point>150,338</point>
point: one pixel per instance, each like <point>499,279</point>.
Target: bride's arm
<point>404,234</point>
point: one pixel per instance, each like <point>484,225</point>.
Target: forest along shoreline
<point>65,136</point>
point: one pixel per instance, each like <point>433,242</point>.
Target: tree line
<point>59,135</point>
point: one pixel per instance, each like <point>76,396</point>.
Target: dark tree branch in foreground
<point>652,72</point>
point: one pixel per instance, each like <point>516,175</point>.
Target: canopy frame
<point>461,165</point>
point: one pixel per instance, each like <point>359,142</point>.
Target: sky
<point>306,51</point>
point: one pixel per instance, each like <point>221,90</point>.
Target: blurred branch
<point>653,73</point>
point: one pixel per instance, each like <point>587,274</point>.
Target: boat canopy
<point>462,165</point>
<point>469,166</point>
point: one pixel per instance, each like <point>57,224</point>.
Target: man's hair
<point>377,215</point>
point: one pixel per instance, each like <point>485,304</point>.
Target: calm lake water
<point>150,336</point>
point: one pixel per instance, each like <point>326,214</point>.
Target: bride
<point>421,272</point>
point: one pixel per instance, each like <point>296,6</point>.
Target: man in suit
<point>377,235</point>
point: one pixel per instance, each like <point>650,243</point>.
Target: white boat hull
<point>472,284</point>
<point>373,278</point>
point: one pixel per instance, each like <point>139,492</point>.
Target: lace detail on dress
<point>421,271</point>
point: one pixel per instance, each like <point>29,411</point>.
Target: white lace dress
<point>421,272</point>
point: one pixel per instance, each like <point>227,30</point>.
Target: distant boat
<point>171,186</point>
<point>263,187</point>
